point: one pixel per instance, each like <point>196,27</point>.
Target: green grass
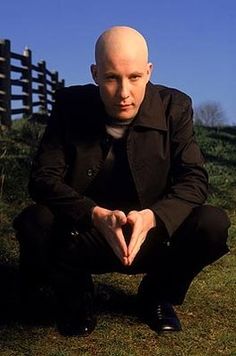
<point>207,315</point>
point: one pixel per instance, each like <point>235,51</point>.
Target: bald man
<point>119,186</point>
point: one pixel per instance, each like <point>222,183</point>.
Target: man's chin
<point>124,115</point>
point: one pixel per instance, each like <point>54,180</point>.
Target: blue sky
<point>192,42</point>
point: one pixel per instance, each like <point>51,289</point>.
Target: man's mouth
<point>124,106</point>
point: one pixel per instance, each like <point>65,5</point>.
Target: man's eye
<point>110,78</point>
<point>135,78</point>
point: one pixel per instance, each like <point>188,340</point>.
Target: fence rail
<point>21,80</point>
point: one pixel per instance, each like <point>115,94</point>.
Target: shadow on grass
<point>9,305</point>
<point>113,300</point>
<point>39,307</point>
<point>36,309</point>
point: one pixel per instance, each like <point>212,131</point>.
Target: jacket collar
<point>151,113</point>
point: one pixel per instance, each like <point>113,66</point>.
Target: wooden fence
<point>20,80</point>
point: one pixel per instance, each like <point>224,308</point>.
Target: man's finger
<point>137,230</point>
<point>117,242</point>
<point>136,249</point>
<point>121,241</point>
<point>121,217</point>
<point>135,244</point>
<point>116,218</point>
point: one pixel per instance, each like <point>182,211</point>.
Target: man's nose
<point>124,90</point>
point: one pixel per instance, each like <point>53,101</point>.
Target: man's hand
<point>109,223</point>
<point>141,222</point>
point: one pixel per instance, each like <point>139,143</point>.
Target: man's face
<point>122,82</point>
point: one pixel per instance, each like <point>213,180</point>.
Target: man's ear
<point>93,69</point>
<point>149,70</point>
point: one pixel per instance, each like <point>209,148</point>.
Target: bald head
<point>123,41</point>
<point>121,71</point>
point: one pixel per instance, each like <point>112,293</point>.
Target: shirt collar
<point>151,113</point>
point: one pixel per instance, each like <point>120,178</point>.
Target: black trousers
<point>46,247</point>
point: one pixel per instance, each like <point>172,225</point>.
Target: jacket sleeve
<point>189,179</point>
<point>47,185</point>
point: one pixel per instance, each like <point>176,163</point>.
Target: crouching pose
<point>119,185</point>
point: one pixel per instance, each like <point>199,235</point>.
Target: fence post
<point>43,87</point>
<point>27,81</point>
<point>54,84</point>
<point>62,83</point>
<point>5,83</point>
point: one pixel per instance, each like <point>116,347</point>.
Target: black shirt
<point>113,187</point>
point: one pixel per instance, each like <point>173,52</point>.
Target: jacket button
<point>90,172</point>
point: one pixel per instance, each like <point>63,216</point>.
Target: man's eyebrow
<point>136,73</point>
<point>117,74</point>
<point>111,73</point>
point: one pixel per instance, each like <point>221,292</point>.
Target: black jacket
<point>164,158</point>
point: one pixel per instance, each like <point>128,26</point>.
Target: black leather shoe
<point>161,317</point>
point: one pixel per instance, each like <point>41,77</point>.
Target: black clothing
<point>165,162</point>
<point>157,165</point>
<point>170,267</point>
<point>113,187</point>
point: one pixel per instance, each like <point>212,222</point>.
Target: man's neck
<point>111,121</point>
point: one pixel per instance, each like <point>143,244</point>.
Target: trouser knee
<point>34,215</point>
<point>212,230</point>
<point>33,224</point>
<point>214,223</point>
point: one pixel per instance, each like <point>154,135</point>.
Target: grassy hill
<point>208,314</point>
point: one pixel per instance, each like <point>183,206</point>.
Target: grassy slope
<point>208,314</point>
